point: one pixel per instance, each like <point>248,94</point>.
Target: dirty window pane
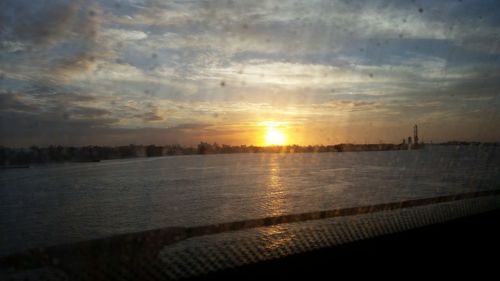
<point>125,116</point>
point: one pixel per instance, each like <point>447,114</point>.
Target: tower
<point>415,134</point>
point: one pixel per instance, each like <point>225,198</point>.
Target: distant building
<point>409,140</point>
<point>415,134</point>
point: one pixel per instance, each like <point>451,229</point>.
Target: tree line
<point>35,154</point>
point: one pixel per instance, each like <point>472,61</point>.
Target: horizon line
<point>252,145</point>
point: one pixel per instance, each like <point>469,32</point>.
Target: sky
<point>118,72</point>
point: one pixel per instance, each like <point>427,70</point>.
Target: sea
<point>53,204</point>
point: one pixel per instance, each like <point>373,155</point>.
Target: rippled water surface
<point>60,203</point>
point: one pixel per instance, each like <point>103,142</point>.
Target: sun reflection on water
<point>278,236</point>
<point>275,197</point>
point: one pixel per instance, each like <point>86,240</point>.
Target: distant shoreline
<point>22,157</point>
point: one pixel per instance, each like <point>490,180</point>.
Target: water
<point>61,203</point>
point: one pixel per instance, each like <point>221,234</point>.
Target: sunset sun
<point>274,135</point>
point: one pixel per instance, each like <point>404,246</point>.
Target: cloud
<point>51,124</point>
<point>75,64</point>
<point>38,24</point>
<point>123,35</point>
<point>89,112</point>
<point>138,67</point>
<point>152,113</point>
<point>25,130</point>
<point>12,102</point>
<point>350,105</point>
<point>59,38</point>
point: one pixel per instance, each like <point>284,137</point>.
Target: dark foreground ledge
<point>418,235</point>
<point>469,245</point>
